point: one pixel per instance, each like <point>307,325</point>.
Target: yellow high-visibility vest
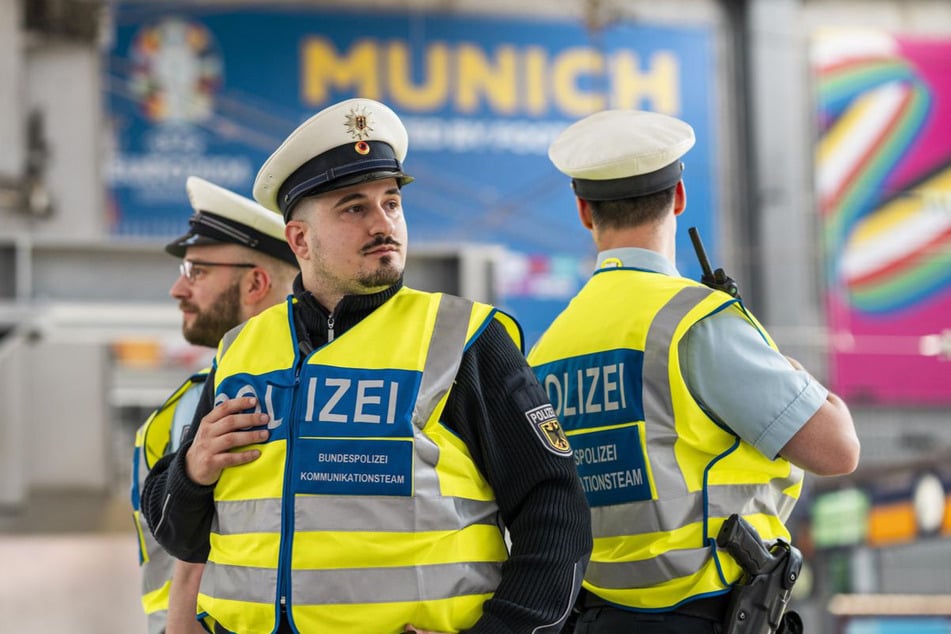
<point>152,441</point>
<point>364,512</point>
<point>660,475</point>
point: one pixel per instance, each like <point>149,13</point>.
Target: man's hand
<point>411,628</point>
<point>221,430</point>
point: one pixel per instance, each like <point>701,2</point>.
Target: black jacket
<point>538,492</point>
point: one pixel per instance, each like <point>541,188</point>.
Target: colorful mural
<point>883,171</point>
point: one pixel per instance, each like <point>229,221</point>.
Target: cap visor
<point>401,179</point>
<point>179,246</point>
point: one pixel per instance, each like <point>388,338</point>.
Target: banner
<point>883,168</point>
<point>213,91</point>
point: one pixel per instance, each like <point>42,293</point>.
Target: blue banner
<point>213,91</point>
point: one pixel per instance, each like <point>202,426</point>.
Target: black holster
<point>759,600</point>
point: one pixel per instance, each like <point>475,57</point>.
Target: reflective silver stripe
<point>142,471</point>
<point>444,355</point>
<point>442,363</point>
<point>749,499</point>
<point>352,514</point>
<point>785,507</point>
<point>158,569</point>
<point>157,621</point>
<point>662,516</point>
<point>648,572</point>
<point>394,584</point>
<point>248,516</point>
<point>395,515</point>
<point>229,338</point>
<point>768,501</point>
<point>646,517</point>
<point>314,513</point>
<point>354,585</point>
<point>658,408</point>
<point>239,583</point>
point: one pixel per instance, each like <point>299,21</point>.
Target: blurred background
<point>821,181</point>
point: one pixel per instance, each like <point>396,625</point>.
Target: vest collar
<point>636,258</point>
<point>351,310</point>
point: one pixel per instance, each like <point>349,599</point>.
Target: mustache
<point>185,306</point>
<point>379,241</point>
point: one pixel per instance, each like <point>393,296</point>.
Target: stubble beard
<point>386,274</point>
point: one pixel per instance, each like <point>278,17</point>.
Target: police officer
<point>234,263</point>
<point>361,448</point>
<point>679,407</point>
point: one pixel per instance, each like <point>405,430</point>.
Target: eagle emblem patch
<point>548,429</point>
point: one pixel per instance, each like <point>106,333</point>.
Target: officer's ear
<point>680,198</point>
<point>584,213</point>
<point>257,284</point>
<point>295,231</point>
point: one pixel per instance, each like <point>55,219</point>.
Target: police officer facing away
<point>679,408</point>
<point>235,263</point>
<point>361,448</point>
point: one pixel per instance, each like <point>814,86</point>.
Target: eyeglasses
<point>192,269</point>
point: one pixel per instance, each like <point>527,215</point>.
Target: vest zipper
<point>330,328</point>
<point>287,503</point>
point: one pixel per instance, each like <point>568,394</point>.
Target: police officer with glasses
<point>234,264</point>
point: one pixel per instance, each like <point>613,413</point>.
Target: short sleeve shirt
<point>184,412</point>
<point>733,373</point>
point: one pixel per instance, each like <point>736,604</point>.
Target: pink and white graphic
<point>883,173</point>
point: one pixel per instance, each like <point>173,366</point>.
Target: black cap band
<point>215,228</point>
<point>629,186</point>
<point>339,167</point>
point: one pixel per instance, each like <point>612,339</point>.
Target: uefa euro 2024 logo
<point>176,71</point>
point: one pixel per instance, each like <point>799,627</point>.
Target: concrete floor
<point>74,572</point>
<point>76,583</point>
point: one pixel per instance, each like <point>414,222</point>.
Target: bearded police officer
<point>234,263</point>
<point>363,447</point>
<point>679,408</point>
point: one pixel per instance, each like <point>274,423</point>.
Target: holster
<point>759,600</point>
<point>791,623</point>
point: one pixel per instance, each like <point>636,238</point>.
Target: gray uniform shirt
<point>182,419</point>
<point>737,378</point>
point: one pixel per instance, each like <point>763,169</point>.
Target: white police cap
<point>223,217</point>
<point>351,142</point>
<point>617,154</point>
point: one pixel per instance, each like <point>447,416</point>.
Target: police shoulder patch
<point>546,425</point>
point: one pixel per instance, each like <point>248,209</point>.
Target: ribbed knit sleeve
<point>537,489</point>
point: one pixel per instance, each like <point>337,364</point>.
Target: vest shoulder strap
<point>229,338</point>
